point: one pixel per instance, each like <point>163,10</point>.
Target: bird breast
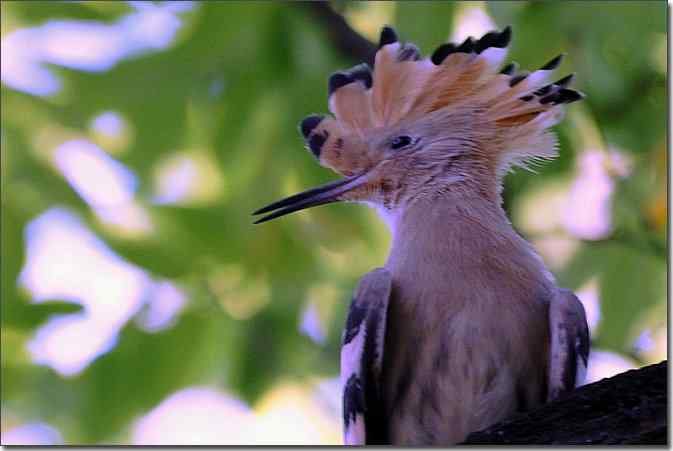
<point>467,332</point>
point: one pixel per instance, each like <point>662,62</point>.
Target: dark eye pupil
<point>400,142</point>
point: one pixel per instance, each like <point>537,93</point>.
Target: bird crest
<point>513,108</point>
<point>412,126</point>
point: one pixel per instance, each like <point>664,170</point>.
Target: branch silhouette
<point>629,408</point>
<point>347,41</point>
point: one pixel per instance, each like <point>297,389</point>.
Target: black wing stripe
<point>582,345</point>
<point>375,424</point>
<point>356,314</point>
<point>570,367</point>
<point>353,399</point>
<point>569,351</point>
<point>361,360</point>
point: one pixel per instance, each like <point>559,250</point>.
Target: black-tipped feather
<point>308,124</point>
<point>363,73</point>
<point>486,41</point>
<point>565,81</point>
<point>337,80</point>
<point>503,39</point>
<point>518,79</point>
<point>408,52</point>
<point>467,46</point>
<point>562,96</point>
<point>316,142</point>
<point>568,96</point>
<point>553,64</point>
<point>551,91</point>
<point>494,39</point>
<point>509,69</point>
<point>543,90</point>
<point>388,36</point>
<point>444,50</point>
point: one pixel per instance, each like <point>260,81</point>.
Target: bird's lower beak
<point>326,194</point>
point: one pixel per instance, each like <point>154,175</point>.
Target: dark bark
<point>630,408</point>
<point>347,41</point>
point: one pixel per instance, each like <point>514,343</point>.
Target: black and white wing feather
<point>569,344</point>
<point>361,359</point>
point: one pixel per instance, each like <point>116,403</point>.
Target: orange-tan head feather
<point>420,127</point>
<point>513,109</point>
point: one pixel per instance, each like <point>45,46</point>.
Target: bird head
<point>416,128</point>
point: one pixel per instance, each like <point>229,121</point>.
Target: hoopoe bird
<point>463,326</point>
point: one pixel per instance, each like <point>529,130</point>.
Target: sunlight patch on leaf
<point>111,131</point>
<point>65,260</point>
<point>35,434</point>
<point>98,178</point>
<point>311,325</point>
<point>368,18</point>
<point>13,352</point>
<point>471,19</point>
<point>321,299</point>
<point>105,184</point>
<point>84,45</point>
<point>604,364</point>
<point>538,211</point>
<point>290,414</point>
<point>649,335</point>
<point>188,178</point>
<point>588,294</point>
<point>195,416</point>
<point>163,305</point>
<point>556,249</point>
<point>659,52</point>
<point>241,295</point>
<point>588,210</point>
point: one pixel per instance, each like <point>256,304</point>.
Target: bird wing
<point>361,360</point>
<point>569,344</point>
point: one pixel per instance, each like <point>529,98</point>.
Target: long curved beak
<point>325,194</point>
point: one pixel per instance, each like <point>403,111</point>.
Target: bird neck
<point>457,230</point>
<point>450,216</point>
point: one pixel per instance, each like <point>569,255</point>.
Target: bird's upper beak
<point>325,194</point>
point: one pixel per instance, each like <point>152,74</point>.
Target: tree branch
<point>346,40</point>
<point>629,408</point>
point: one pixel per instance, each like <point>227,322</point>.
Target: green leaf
<point>630,283</point>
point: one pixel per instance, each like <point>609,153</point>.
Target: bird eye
<point>400,141</point>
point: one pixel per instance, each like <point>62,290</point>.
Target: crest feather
<point>397,81</point>
<point>351,105</point>
<point>402,86</point>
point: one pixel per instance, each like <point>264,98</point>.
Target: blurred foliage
<point>232,88</point>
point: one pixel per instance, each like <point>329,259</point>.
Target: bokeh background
<point>139,304</point>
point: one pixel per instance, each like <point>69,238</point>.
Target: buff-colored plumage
<point>406,89</point>
<point>463,326</point>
